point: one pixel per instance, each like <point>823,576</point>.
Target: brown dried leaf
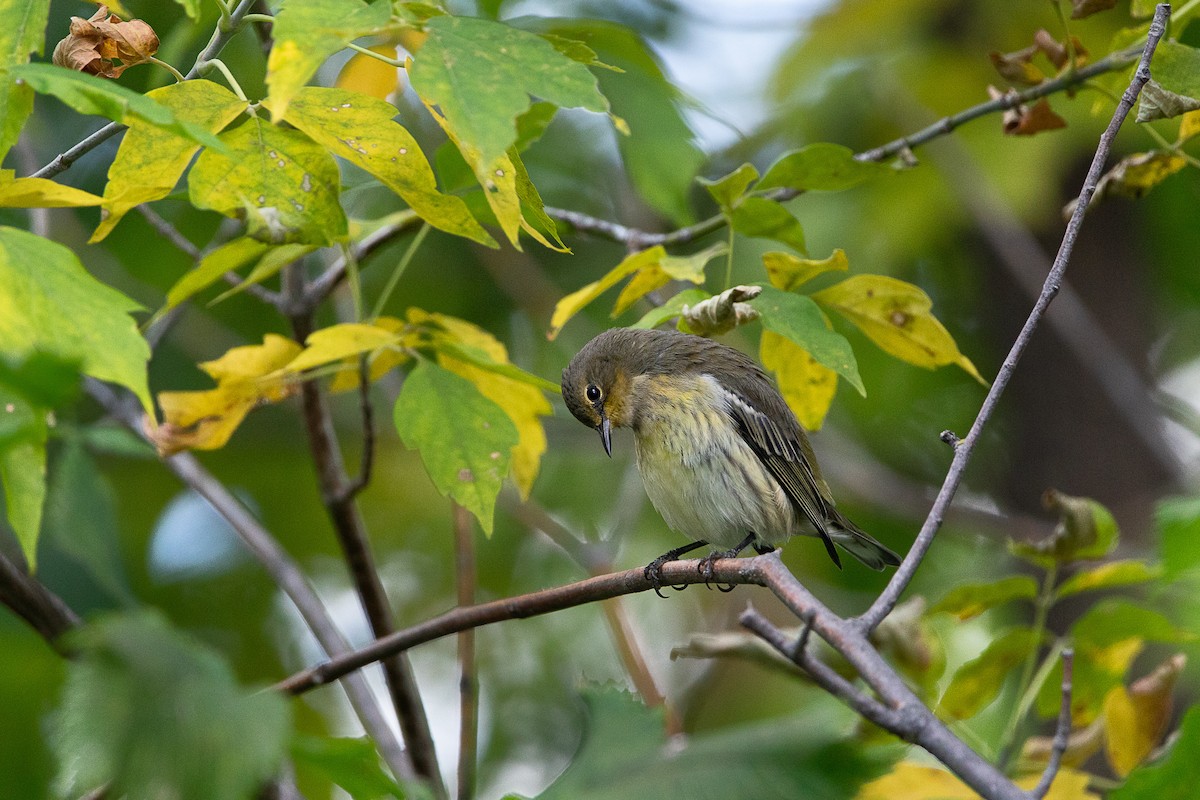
<point>1057,52</point>
<point>722,313</point>
<point>1033,119</point>
<point>1082,744</point>
<point>1018,67</point>
<point>104,45</point>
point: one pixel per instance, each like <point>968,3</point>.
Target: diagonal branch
<point>963,449</point>
<point>29,599</point>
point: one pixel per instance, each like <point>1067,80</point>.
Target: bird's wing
<point>788,457</point>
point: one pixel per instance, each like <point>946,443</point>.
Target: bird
<point>722,457</point>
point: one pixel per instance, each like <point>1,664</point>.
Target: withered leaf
<point>104,45</point>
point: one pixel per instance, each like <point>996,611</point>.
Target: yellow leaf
<point>339,342</point>
<point>806,385</point>
<point>41,193</point>
<point>1135,719</point>
<point>205,420</point>
<point>787,272</point>
<point>646,280</point>
<point>570,305</point>
<point>380,362</point>
<point>896,316</point>
<point>151,159</point>
<point>368,75</point>
<point>522,402</point>
<point>1189,126</point>
<point>911,781</point>
<point>662,271</point>
<point>1116,658</point>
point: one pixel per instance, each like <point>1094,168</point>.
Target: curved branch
<point>963,448</point>
<point>29,599</point>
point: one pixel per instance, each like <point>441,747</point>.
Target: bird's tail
<point>862,546</point>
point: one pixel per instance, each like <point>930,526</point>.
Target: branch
<point>29,599</point>
<point>1062,730</point>
<point>221,35</point>
<point>964,447</point>
<point>324,284</point>
<point>636,238</point>
<point>352,536</point>
<point>283,571</point>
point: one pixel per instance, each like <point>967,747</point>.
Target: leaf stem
<point>355,283</point>
<point>729,262</point>
<point>178,75</point>
<point>395,62</point>
<point>219,65</point>
<point>1041,609</point>
<point>394,278</point>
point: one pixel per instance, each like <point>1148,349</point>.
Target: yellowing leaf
<point>281,182</point>
<point>570,305</point>
<point>361,130</point>
<point>1135,175</point>
<point>896,316</point>
<point>228,257</point>
<point>912,781</point>
<point>338,342</point>
<point>465,439</point>
<point>273,260</point>
<point>788,272</point>
<point>151,159</point>
<point>978,682</point>
<point>661,272</point>
<point>522,402</point>
<point>370,76</point>
<point>1106,576</point>
<point>1136,719</point>
<point>1189,126</point>
<point>205,420</point>
<point>380,362</point>
<point>970,600</point>
<point>40,193</point>
<point>806,384</point>
<point>306,32</point>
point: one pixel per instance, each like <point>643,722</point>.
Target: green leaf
<point>729,189</point>
<point>351,764</point>
<point>23,471</point>
<point>972,599</point>
<point>481,75</point>
<point>1108,576</point>
<point>897,316</point>
<point>1178,520</point>
<point>767,219</point>
<point>81,521</point>
<point>272,261</point>
<point>229,257</point>
<point>621,756</point>
<point>191,8</point>
<point>306,33</point>
<point>798,318</point>
<point>282,183</point>
<point>360,129</point>
<point>820,167</point>
<point>42,379</point>
<point>152,713</point>
<point>1085,530</point>
<point>51,303</point>
<point>1116,620</point>
<point>151,159</point>
<point>1173,777</point>
<point>534,219</point>
<point>660,154</point>
<point>672,308</point>
<point>465,439</point>
<point>22,33</point>
<point>1174,88</point>
<point>978,682</point>
<point>89,94</point>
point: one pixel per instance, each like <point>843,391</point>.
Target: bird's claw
<point>706,569</point>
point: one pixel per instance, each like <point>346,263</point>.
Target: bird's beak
<point>605,428</point>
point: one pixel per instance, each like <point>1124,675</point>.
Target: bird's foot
<point>653,570</point>
<point>705,567</point>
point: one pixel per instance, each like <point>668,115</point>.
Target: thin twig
<point>216,42</point>
<point>323,285</point>
<point>169,232</point>
<point>1062,730</point>
<point>367,413</point>
<point>286,574</point>
<point>29,599</point>
<point>468,682</point>
<point>962,453</point>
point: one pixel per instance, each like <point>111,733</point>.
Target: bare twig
<point>962,453</point>
<point>29,599</point>
<point>351,532</point>
<point>219,38</point>
<point>367,413</point>
<point>169,232</point>
<point>1062,730</point>
<point>286,574</point>
<point>322,285</point>
<point>468,682</point>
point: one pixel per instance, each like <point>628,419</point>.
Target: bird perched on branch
<point>721,455</point>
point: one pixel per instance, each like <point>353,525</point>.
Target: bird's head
<point>596,384</point>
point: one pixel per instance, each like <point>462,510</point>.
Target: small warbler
<point>721,455</point>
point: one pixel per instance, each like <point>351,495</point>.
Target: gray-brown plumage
<point>722,456</point>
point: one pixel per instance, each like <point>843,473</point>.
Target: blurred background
<point>1105,404</point>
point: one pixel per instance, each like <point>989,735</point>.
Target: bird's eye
<point>593,393</point>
